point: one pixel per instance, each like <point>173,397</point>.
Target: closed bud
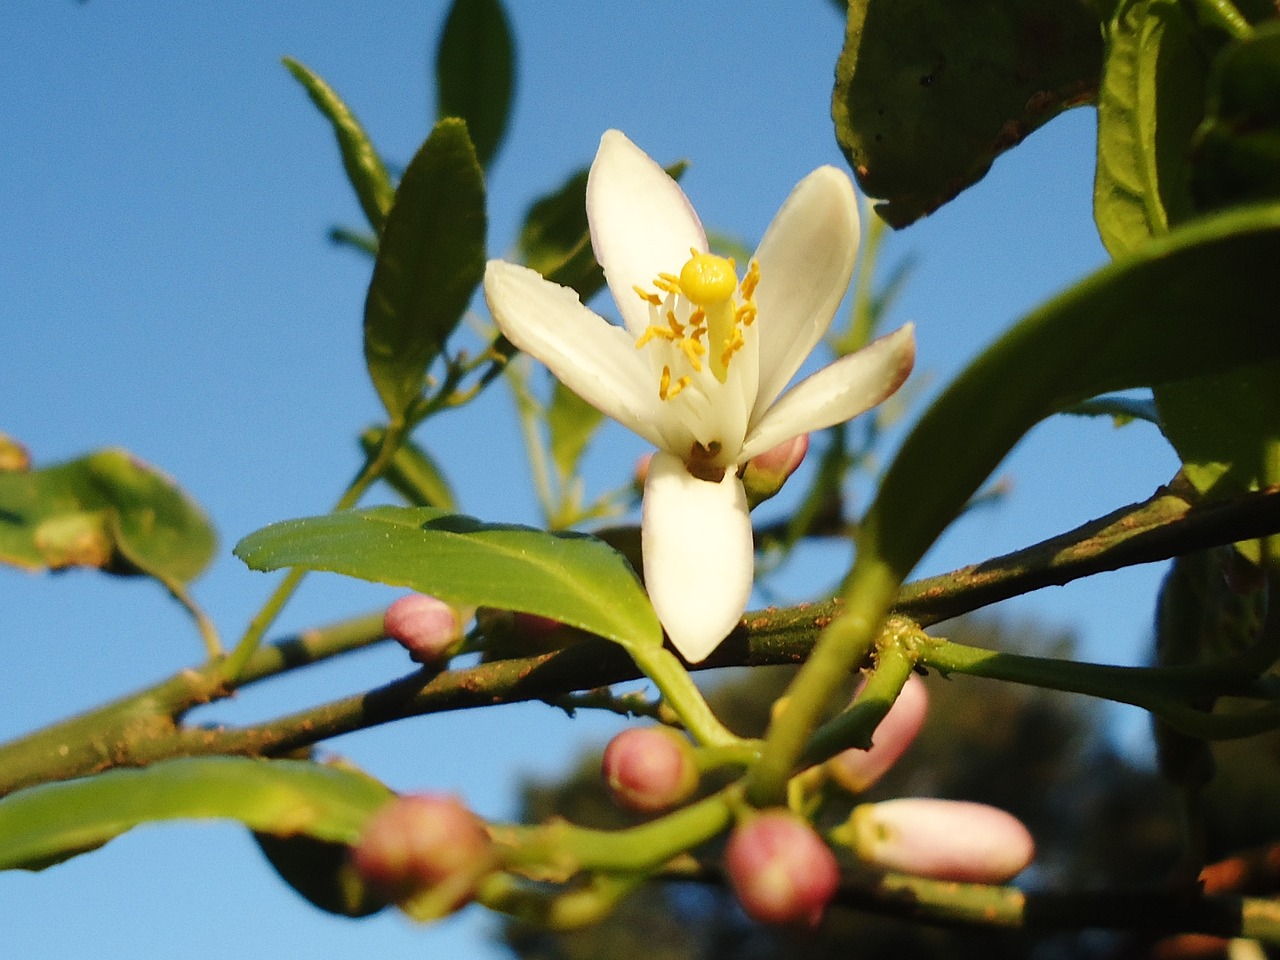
<point>640,473</point>
<point>765,474</point>
<point>428,628</point>
<point>13,455</point>
<point>648,769</point>
<point>941,839</point>
<point>426,852</point>
<point>780,869</point>
<point>857,770</point>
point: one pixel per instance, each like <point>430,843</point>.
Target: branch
<point>978,906</point>
<point>1172,522</point>
<point>142,728</point>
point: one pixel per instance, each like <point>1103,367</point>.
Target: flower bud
<point>648,769</point>
<point>942,839</point>
<point>13,455</point>
<point>780,869</point>
<point>428,628</point>
<point>640,472</point>
<point>426,852</point>
<point>765,474</point>
<point>857,770</point>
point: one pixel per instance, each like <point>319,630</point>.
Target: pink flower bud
<point>640,473</point>
<point>648,769</point>
<point>856,770</point>
<point>425,851</point>
<point>780,869</point>
<point>765,474</point>
<point>942,839</point>
<point>428,628</point>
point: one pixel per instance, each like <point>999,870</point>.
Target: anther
<point>668,390</point>
<point>750,281</point>
<point>667,282</point>
<point>648,296</point>
<point>654,332</point>
<point>693,350</point>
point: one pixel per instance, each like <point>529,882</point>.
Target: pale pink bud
<point>426,849</point>
<point>780,869</point>
<point>856,770</point>
<point>765,474</point>
<point>640,473</point>
<point>648,769</point>
<point>428,628</point>
<point>942,839</point>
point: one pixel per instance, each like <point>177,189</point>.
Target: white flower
<point>700,366</point>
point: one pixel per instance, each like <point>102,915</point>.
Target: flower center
<point>695,316</point>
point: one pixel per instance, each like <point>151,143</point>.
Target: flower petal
<point>595,359</point>
<point>836,393</point>
<point>641,223</point>
<point>698,560</point>
<point>806,259</point>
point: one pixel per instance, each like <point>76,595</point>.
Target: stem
<point>529,410</point>
<point>312,646</point>
<point>854,727</point>
<point>840,648</point>
<point>208,631</point>
<point>1224,14</point>
<point>567,848</point>
<point>232,667</point>
<point>683,696</point>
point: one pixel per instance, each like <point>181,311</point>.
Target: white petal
<point>836,393</point>
<point>806,259</point>
<point>698,561</point>
<point>595,359</point>
<point>641,223</point>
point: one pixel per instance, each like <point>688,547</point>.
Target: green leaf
<point>556,240</point>
<point>929,93</point>
<point>475,72</point>
<point>569,577</point>
<point>1237,152</point>
<point>322,873</point>
<point>571,422</point>
<point>1226,428</point>
<point>44,825</point>
<point>430,261</point>
<point>361,161</point>
<point>107,510</point>
<point>1150,103</point>
<point>1122,410</point>
<point>413,473</point>
<point>1199,300</point>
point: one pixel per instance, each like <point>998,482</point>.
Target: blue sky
<point>166,286</point>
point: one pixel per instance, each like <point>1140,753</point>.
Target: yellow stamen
<point>693,350</point>
<point>746,314</point>
<point>667,282</point>
<point>698,318</point>
<point>736,343</point>
<point>654,331</point>
<point>648,296</point>
<point>668,390</point>
<point>750,281</point>
<point>676,327</point>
